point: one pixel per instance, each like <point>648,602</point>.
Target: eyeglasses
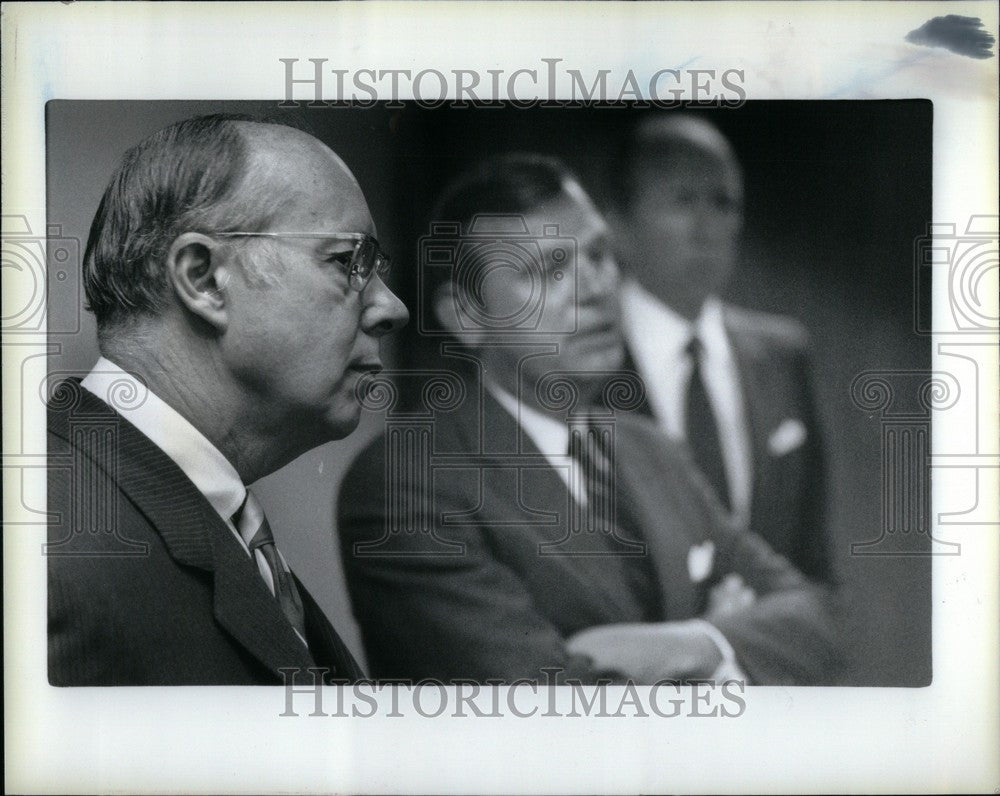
<point>366,259</point>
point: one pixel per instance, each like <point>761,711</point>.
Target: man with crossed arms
<point>501,560</point>
<point>735,385</point>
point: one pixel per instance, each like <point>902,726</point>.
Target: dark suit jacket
<point>147,585</point>
<point>789,482</point>
<point>489,586</point>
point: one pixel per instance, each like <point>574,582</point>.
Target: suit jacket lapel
<point>669,528</point>
<point>192,532</point>
<point>501,434</point>
<point>244,606</point>
<point>325,644</point>
<point>758,401</point>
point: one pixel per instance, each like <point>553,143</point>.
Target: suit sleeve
<point>84,634</point>
<point>813,544</point>
<point>428,610</point>
<point>788,636</point>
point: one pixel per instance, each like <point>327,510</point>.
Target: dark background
<point>836,194</point>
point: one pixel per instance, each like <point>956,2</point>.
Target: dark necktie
<point>701,428</point>
<point>255,531</point>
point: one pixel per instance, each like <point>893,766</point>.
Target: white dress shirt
<point>203,463</point>
<point>657,337</point>
<point>551,437</point>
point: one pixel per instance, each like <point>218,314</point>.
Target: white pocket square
<point>700,559</point>
<point>786,437</point>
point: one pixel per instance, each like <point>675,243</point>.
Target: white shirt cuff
<point>729,668</point>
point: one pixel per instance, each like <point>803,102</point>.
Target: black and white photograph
<point>616,411</point>
<point>378,420</point>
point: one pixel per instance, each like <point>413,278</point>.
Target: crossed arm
<point>473,616</point>
<point>765,622</point>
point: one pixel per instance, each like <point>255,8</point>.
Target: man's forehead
<point>693,168</point>
<point>682,131</point>
<point>571,210</point>
<point>308,181</point>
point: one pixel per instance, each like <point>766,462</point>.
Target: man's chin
<point>344,424</point>
<point>335,424</point>
<point>601,357</point>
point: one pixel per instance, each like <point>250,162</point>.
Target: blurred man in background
<point>733,384</point>
<point>534,525</point>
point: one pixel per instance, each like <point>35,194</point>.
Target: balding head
<point>679,134</point>
<point>287,169</point>
<point>265,368</point>
<point>660,141</point>
<point>206,174</point>
<point>682,201</point>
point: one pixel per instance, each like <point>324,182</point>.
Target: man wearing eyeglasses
<point>238,293</point>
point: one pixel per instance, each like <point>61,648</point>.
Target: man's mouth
<point>368,366</point>
<point>598,326</point>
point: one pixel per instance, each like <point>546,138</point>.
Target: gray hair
<point>184,178</point>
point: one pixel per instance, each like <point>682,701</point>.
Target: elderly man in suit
<point>733,384</point>
<point>518,521</point>
<point>238,293</point>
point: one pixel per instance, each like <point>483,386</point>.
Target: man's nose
<point>384,312</point>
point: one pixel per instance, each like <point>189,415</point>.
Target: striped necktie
<point>588,445</point>
<point>255,531</point>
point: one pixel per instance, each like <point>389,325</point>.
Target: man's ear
<point>199,277</point>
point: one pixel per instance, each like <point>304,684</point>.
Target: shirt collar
<point>642,311</point>
<point>673,330</point>
<point>550,436</point>
<point>203,463</point>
